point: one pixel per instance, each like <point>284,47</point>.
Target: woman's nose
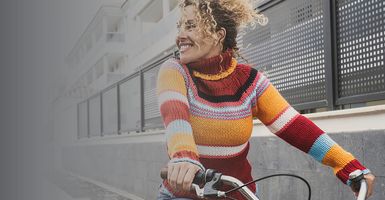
<point>180,37</point>
<point>181,34</point>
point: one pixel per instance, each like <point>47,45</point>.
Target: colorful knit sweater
<point>208,109</point>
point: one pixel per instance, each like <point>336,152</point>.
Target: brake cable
<point>270,176</point>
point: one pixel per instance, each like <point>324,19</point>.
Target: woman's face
<point>193,46</point>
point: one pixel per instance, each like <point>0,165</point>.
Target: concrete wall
<point>134,167</point>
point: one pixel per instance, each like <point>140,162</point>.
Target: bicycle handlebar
<point>359,184</point>
<point>211,179</point>
<point>200,176</point>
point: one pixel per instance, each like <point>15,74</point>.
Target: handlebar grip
<point>198,179</point>
<point>358,184</point>
<point>163,173</point>
<point>355,178</point>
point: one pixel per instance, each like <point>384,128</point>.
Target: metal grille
<point>129,95</point>
<point>290,50</point>
<point>360,43</point>
<point>152,116</point>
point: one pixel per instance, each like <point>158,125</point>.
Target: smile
<point>184,47</point>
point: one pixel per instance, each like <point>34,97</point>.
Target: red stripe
<point>218,145</point>
<point>227,86</point>
<point>279,115</point>
<point>173,110</point>
<point>283,129</point>
<point>186,154</point>
<point>245,69</point>
<point>353,165</point>
<point>301,133</point>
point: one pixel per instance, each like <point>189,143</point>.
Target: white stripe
<point>178,126</point>
<point>171,95</point>
<point>220,151</point>
<point>282,120</point>
<point>175,65</point>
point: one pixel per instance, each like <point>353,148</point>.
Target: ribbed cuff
<point>187,156</point>
<point>365,171</point>
<point>353,165</point>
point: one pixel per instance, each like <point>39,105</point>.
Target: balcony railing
<point>318,60</point>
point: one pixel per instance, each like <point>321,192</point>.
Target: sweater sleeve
<point>174,109</point>
<point>285,122</point>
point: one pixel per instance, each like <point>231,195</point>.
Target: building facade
<point>325,57</point>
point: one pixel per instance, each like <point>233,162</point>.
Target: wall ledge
<point>355,120</point>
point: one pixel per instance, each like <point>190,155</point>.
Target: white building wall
<point>146,40</point>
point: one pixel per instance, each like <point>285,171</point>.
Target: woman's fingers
<point>369,178</point>
<point>370,181</point>
<point>188,179</point>
<point>181,175</point>
<point>172,175</point>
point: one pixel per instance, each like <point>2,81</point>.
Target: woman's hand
<point>370,181</point>
<point>181,175</point>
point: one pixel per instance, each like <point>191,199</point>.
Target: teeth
<point>184,47</point>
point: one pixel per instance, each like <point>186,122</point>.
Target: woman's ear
<point>221,35</point>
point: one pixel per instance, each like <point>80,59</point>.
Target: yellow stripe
<point>221,75</point>
<point>171,79</point>
<point>180,142</point>
<point>270,104</point>
<point>337,158</point>
<point>221,132</point>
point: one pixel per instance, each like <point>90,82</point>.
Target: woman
<point>208,102</point>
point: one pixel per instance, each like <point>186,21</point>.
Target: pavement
<point>69,187</point>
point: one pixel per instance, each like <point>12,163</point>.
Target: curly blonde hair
<point>232,15</point>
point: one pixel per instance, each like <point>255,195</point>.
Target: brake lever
<point>210,188</point>
<point>199,191</point>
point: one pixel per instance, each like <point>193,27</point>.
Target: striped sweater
<point>208,109</point>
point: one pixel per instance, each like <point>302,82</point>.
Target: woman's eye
<point>190,26</point>
<point>187,26</point>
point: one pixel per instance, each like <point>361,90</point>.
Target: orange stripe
<point>221,132</point>
<point>181,142</point>
<point>270,104</point>
<point>337,158</point>
<point>171,79</point>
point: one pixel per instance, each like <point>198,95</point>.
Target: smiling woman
<point>209,28</point>
<point>192,44</point>
<point>208,102</point>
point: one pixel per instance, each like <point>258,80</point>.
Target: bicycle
<point>212,180</point>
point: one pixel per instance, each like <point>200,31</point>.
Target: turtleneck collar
<point>215,65</point>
